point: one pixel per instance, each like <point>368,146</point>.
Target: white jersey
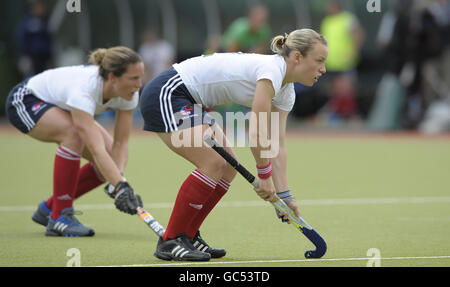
<point>231,77</point>
<point>79,87</point>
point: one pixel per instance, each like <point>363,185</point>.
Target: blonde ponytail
<point>277,43</point>
<point>113,60</point>
<point>300,40</point>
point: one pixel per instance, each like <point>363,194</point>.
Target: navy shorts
<point>166,105</point>
<point>23,109</point>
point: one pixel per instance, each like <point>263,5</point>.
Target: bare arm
<point>261,108</point>
<point>93,139</point>
<point>122,129</point>
<point>279,162</point>
<point>258,134</point>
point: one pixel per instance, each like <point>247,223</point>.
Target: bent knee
<point>217,164</point>
<point>229,173</point>
<point>71,139</point>
<point>214,167</point>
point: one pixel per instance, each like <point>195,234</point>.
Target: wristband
<point>265,171</point>
<point>284,194</point>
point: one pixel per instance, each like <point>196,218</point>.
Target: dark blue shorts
<point>166,105</point>
<point>23,109</point>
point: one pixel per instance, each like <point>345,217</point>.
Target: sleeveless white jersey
<point>231,77</point>
<point>78,87</point>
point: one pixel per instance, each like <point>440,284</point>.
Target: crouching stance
<point>173,105</point>
<point>58,106</point>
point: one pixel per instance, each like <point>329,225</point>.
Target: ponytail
<point>97,56</point>
<point>113,60</point>
<point>300,40</point>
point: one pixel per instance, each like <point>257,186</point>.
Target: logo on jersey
<point>186,114</point>
<point>37,107</point>
<point>186,110</point>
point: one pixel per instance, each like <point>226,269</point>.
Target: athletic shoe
<point>41,214</point>
<point>201,245</point>
<point>180,249</point>
<point>67,225</point>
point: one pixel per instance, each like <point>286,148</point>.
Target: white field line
<point>280,261</point>
<point>256,203</point>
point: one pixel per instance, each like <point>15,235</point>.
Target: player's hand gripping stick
<point>144,215</point>
<point>298,222</point>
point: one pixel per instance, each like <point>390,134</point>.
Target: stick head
<point>318,241</point>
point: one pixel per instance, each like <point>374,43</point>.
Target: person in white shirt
<point>157,54</point>
<point>175,101</point>
<point>59,105</point>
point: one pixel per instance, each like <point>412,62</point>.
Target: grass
<point>358,192</point>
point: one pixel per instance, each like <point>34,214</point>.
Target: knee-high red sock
<point>221,188</point>
<point>191,199</point>
<point>88,179</point>
<point>65,177</point>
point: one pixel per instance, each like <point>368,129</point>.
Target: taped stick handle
<point>143,214</point>
<point>150,221</point>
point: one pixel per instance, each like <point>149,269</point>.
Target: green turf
<point>320,168</point>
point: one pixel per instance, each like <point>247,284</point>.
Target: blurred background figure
<point>34,40</point>
<point>157,53</point>
<point>345,38</point>
<point>213,44</point>
<point>386,70</point>
<point>249,34</point>
<point>413,37</point>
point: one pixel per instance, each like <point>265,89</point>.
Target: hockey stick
<point>144,215</point>
<point>298,222</point>
<point>150,221</point>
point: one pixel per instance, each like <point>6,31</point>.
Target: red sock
<point>191,199</point>
<point>221,188</point>
<point>65,177</point>
<point>88,179</point>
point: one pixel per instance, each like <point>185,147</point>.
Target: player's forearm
<point>258,138</point>
<point>122,130</point>
<point>257,152</point>
<point>120,155</point>
<point>95,144</point>
<point>279,173</point>
<point>259,122</point>
<point>107,167</point>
